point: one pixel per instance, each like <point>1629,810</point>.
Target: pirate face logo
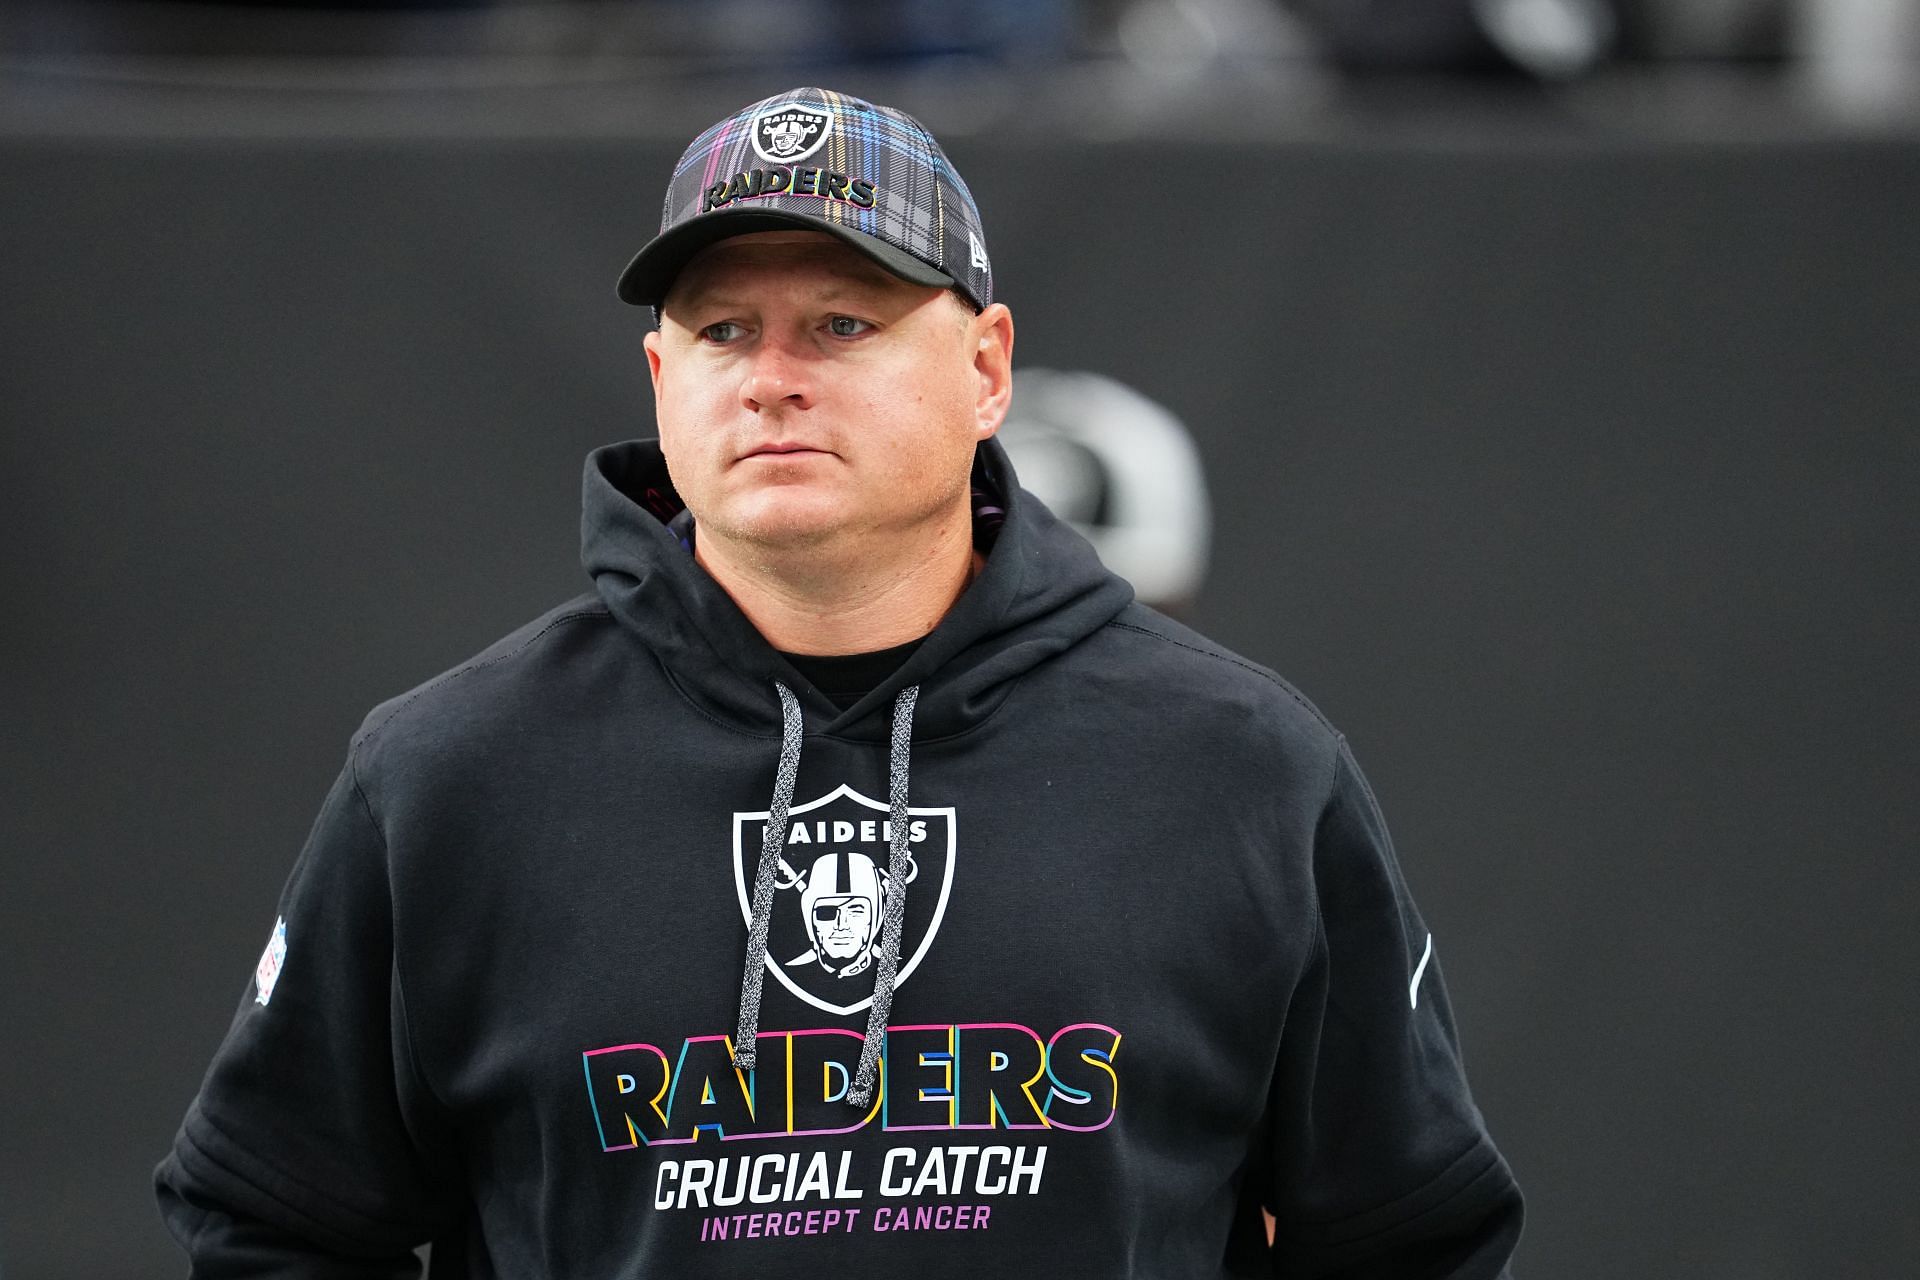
<point>832,886</point>
<point>786,133</point>
<point>843,897</point>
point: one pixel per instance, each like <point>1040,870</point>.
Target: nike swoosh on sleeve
<point>1413,987</point>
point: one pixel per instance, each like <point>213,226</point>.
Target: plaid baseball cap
<point>817,160</point>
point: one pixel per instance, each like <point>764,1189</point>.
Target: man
<point>1145,963</point>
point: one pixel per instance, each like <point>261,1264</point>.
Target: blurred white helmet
<point>1120,469</point>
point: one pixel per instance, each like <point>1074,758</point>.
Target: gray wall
<point>1572,475</point>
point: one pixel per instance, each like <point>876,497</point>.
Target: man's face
<point>843,925</point>
<point>803,393</point>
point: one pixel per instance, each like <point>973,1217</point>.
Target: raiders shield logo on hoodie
<point>831,888</point>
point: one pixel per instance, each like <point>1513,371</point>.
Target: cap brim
<point>651,274</point>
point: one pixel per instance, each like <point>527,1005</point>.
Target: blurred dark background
<point>1552,363</point>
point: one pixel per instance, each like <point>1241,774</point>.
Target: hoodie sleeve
<point>1381,1165</point>
<point>309,1151</point>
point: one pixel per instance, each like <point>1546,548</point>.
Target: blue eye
<point>724,331</point>
<point>847,327</point>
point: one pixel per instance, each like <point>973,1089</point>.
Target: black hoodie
<point>1155,969</point>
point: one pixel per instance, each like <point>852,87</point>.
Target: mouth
<point>784,449</point>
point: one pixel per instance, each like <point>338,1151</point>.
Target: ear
<point>990,343</point>
<point>652,343</point>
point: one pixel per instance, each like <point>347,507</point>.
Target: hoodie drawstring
<point>773,846</point>
<point>860,1093</point>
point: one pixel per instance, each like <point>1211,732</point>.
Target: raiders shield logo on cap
<point>786,133</point>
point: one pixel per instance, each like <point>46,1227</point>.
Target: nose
<point>777,376</point>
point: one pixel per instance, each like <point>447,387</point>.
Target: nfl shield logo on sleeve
<point>267,972</point>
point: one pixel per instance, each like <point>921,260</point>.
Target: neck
<point>821,601</point>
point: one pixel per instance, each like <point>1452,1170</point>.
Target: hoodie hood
<point>1041,591</point>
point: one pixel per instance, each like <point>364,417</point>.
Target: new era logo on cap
<point>820,160</point>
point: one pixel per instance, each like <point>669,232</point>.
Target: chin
<point>782,520</point>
